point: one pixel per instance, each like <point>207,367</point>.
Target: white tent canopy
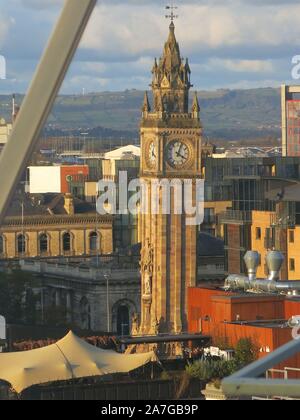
<point>69,358</point>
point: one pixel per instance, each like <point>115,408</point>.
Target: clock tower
<point>171,150</point>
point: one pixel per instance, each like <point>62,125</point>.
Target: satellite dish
<point>2,328</point>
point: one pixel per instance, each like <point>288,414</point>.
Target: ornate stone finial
<point>159,105</point>
<point>196,106</point>
<point>146,105</point>
<point>155,66</point>
<point>187,66</point>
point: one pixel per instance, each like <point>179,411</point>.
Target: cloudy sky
<point>230,43</point>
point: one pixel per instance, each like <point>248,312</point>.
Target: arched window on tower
<point>43,243</point>
<point>67,242</point>
<point>21,244</point>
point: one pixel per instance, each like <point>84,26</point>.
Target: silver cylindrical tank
<point>274,262</point>
<point>252,261</point>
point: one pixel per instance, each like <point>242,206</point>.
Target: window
<point>292,264</point>
<point>94,241</point>
<point>66,242</point>
<point>43,243</point>
<point>209,216</point>
<point>21,244</point>
<point>258,233</point>
<point>292,237</point>
<point>1,245</point>
<point>269,239</point>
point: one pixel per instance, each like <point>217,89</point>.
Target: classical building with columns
<point>54,225</point>
<point>104,298</point>
<point>68,248</point>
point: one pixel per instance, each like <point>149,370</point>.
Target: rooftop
<point>45,205</point>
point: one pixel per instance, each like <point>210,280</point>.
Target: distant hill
<point>226,114</point>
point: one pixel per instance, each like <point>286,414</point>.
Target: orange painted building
<point>228,317</point>
<point>265,238</point>
<point>71,173</point>
<point>261,238</point>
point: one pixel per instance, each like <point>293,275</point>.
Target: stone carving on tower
<point>171,148</point>
<point>147,269</point>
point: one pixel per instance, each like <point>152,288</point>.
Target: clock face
<point>178,154</point>
<point>152,157</point>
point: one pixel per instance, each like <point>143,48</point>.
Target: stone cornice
<point>44,220</point>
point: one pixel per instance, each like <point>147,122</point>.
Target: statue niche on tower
<point>147,269</point>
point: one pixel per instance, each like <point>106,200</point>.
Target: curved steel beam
<point>41,95</point>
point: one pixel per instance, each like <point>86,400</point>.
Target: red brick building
<point>228,317</point>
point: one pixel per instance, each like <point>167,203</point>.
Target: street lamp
<point>85,144</point>
<point>107,276</point>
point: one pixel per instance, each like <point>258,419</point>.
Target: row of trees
<point>17,298</point>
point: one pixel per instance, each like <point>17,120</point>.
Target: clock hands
<point>152,152</point>
<point>179,154</point>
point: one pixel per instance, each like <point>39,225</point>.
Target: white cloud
<point>242,66</point>
<point>5,24</point>
<point>246,39</point>
<point>41,4</point>
<point>139,30</point>
<point>124,30</point>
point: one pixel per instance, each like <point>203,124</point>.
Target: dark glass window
<point>67,242</point>
<point>43,243</point>
<point>93,241</point>
<point>1,245</point>
<point>21,244</point>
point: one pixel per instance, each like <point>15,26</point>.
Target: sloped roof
<point>70,358</point>
<point>119,153</point>
<point>208,246</point>
<point>46,204</point>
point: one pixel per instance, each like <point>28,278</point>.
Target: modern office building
<point>258,188</point>
<point>290,104</point>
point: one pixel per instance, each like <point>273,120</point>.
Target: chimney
<point>69,204</point>
<point>252,261</point>
<point>274,261</point>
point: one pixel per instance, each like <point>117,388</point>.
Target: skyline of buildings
<point>157,282</point>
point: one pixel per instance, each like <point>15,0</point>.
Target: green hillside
<point>226,114</point>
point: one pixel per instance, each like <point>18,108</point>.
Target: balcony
<point>235,217</point>
<point>283,222</point>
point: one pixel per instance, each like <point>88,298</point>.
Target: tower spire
<point>196,106</point>
<point>146,105</point>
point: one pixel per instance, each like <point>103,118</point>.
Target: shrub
<point>165,376</point>
<point>246,352</point>
<point>208,370</point>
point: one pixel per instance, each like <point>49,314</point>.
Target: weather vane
<point>172,15</point>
